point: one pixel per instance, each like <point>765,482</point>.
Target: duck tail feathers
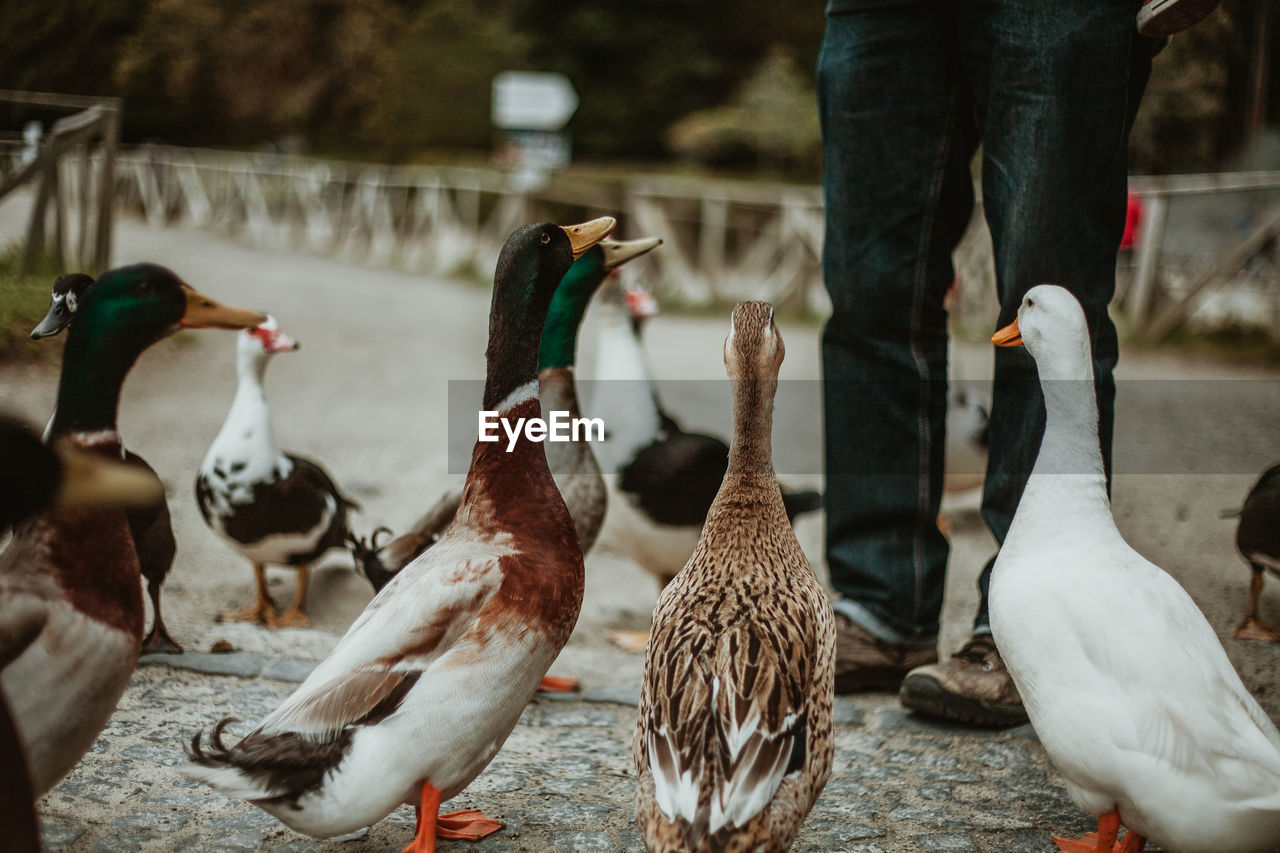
<point>799,503</point>
<point>368,558</point>
<point>212,763</point>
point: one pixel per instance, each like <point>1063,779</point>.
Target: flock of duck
<point>1129,689</point>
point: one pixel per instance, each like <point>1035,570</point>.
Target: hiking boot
<point>973,687</point>
<point>1159,18</point>
<point>866,663</point>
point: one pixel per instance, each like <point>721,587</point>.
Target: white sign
<point>532,100</point>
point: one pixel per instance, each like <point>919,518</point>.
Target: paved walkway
<point>367,397</point>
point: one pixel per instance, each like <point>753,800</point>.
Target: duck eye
<point>143,288</point>
<point>1030,302</point>
<point>546,238</point>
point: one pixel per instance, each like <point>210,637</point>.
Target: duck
<point>662,478</point>
<point>1258,540</point>
<point>1123,678</point>
<point>572,463</point>
<point>272,507</point>
<point>68,479</point>
<point>80,566</point>
<point>423,689</point>
<point>734,740</point>
<point>150,525</point>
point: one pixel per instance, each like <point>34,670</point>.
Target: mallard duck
<point>572,463</point>
<point>80,566</point>
<point>1258,538</point>
<point>1123,678</point>
<point>38,476</point>
<point>150,525</point>
<point>421,692</point>
<point>272,507</point>
<point>734,741</point>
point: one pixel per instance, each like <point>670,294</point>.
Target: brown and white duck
<point>734,740</point>
<point>427,684</point>
<point>80,567</point>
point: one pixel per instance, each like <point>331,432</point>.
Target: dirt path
<point>366,396</point>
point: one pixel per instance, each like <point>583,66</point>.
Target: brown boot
<point>865,663</point>
<point>973,687</point>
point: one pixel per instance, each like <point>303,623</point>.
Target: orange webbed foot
<point>1085,844</point>
<point>1253,629</point>
<point>559,684</point>
<point>466,825</point>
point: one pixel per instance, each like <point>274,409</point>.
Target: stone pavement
<point>563,782</point>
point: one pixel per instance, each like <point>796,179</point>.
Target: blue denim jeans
<point>906,94</point>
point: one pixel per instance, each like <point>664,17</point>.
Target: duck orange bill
<point>205,313</point>
<point>587,234</point>
<point>1009,336</point>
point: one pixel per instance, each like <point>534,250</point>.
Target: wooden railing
<point>725,240</point>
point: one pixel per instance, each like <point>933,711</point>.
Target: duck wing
<point>728,722</point>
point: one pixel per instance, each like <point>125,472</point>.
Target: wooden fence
<point>725,240</point>
<point>79,187</point>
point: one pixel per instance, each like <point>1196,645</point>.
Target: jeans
<point>906,93</point>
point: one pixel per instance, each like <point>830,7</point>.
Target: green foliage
<point>771,122</point>
<point>24,299</point>
<point>442,67</point>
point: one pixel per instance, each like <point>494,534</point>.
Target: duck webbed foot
<point>1105,839</point>
<point>466,825</point>
<point>262,611</point>
<point>296,615</point>
<point>1251,627</point>
<point>559,684</point>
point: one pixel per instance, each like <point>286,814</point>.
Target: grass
<point>24,299</point>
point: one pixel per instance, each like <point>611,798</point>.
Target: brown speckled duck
<point>734,740</point>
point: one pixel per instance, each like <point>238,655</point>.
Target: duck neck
<point>94,366</point>
<point>559,344</point>
<point>1068,480</point>
<point>751,451</point>
<point>250,416</point>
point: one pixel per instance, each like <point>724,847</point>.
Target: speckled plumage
<point>734,739</point>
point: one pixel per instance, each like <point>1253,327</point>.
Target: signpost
<point>530,110</point>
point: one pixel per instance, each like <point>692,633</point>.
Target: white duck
<point>1125,681</point>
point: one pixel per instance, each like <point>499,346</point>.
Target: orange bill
<point>1009,336</point>
<point>205,313</point>
<point>585,235</point>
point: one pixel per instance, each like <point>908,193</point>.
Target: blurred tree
<point>262,70</point>
<point>64,46</point>
<point>772,122</point>
<point>639,67</point>
<point>443,64</point>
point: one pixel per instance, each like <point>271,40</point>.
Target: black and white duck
<point>272,507</point>
<point>1258,538</point>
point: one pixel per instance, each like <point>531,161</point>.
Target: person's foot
<point>866,663</point>
<point>1159,18</point>
<point>973,687</point>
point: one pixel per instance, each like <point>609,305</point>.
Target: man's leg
<point>1057,85</point>
<point>898,135</point>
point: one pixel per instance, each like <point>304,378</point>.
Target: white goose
<point>1125,681</point>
